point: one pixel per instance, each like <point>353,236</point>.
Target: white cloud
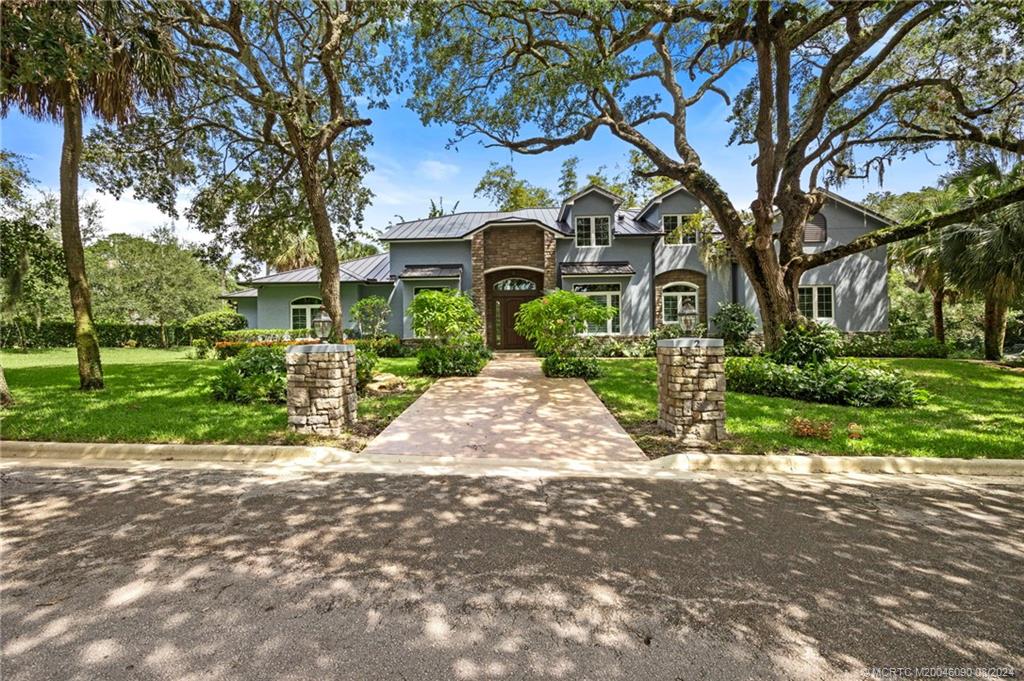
<point>437,170</point>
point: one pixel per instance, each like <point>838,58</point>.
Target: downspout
<point>654,289</point>
<point>734,282</point>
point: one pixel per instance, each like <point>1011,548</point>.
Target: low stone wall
<point>321,388</point>
<point>691,389</point>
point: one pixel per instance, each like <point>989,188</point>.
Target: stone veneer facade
<point>691,389</point>
<point>698,279</point>
<point>510,246</point>
<point>321,388</point>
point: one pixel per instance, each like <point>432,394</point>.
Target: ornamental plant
<point>371,315</point>
<point>556,322</point>
<point>450,327</point>
<point>735,323</point>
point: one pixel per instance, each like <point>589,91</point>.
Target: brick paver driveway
<point>509,411</point>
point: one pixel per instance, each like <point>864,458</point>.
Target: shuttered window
<point>816,230</point>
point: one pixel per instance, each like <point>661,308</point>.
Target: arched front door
<point>507,290</point>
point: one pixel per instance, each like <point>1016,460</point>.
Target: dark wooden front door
<point>507,290</point>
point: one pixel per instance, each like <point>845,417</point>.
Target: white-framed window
<point>304,310</point>
<point>816,302</point>
<point>680,305</point>
<point>594,230</point>
<point>675,235</point>
<point>605,295</point>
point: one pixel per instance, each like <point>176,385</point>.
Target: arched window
<point>679,305</point>
<point>304,310</point>
<point>816,230</point>
<point>515,284</point>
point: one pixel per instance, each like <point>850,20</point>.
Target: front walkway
<point>510,410</point>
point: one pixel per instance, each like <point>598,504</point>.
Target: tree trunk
<point>330,280</point>
<point>163,335</point>
<point>938,313</point>
<point>90,372</point>
<point>775,290</point>
<point>995,327</point>
<point>6,399</point>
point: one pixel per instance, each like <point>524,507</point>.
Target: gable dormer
<point>590,215</point>
<point>675,201</point>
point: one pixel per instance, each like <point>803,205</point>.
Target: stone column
<point>691,389</point>
<point>321,388</point>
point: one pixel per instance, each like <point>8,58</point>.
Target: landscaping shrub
<point>556,323</point>
<point>386,345</point>
<point>257,374</point>
<point>561,366</point>
<point>371,315</point>
<point>23,333</point>
<point>228,349</point>
<point>250,335</point>
<point>808,343</point>
<point>212,325</point>
<point>201,349</point>
<point>884,345</point>
<point>450,328</point>
<point>850,382</point>
<point>464,358</point>
<point>366,362</point>
<point>735,324</point>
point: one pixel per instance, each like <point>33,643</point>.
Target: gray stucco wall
<point>247,308</point>
<point>591,204</point>
<point>274,307</point>
<point>425,253</point>
<point>635,309</point>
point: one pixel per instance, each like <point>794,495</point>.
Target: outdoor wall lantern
<point>322,324</point>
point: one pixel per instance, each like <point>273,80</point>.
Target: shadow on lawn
<point>122,574</point>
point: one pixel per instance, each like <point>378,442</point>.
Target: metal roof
<point>245,293</point>
<point>596,268</point>
<point>858,206</point>
<point>431,272</point>
<point>371,269</point>
<point>461,225</point>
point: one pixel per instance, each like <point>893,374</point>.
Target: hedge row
<point>56,334</point>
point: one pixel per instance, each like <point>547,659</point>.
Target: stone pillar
<point>321,388</point>
<point>691,389</point>
<point>550,261</point>
<point>477,266</point>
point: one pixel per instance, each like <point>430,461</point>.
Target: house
<point>630,259</point>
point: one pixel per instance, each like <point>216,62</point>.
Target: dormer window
<point>593,231</point>
<point>675,232</point>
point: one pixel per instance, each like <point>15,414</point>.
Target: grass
<point>975,411</point>
<point>161,396</point>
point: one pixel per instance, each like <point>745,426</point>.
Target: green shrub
<point>849,382</point>
<point>212,325</point>
<point>371,315</point>
<point>464,358</point>
<point>267,335</point>
<point>735,324</point>
<point>444,315</point>
<point>256,374</point>
<point>23,333</point>
<point>366,362</point>
<point>561,366</point>
<point>387,345</point>
<point>556,322</point>
<point>808,343</point>
<point>201,349</point>
<point>884,345</point>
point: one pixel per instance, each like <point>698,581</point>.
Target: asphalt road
<point>177,574</point>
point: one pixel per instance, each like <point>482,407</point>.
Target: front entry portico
<point>506,291</point>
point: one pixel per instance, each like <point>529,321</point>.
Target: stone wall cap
<point>321,348</point>
<point>691,343</point>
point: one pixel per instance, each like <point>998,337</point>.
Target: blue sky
<point>413,164</point>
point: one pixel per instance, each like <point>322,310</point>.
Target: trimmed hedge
<point>228,349</point>
<point>463,358</point>
<point>266,334</point>
<point>884,345</point>
<point>61,334</point>
<point>848,382</point>
<point>560,366</point>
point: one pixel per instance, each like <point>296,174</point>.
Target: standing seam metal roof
<point>371,269</point>
<point>461,225</point>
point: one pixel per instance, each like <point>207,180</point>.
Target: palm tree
<point>984,256</point>
<point>59,61</point>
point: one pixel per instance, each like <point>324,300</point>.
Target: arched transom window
<point>515,284</point>
<point>304,310</point>
<point>679,305</point>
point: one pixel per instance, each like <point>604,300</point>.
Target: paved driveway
<point>180,575</point>
<point>510,410</point>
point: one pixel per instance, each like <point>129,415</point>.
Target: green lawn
<point>161,396</point>
<point>975,410</point>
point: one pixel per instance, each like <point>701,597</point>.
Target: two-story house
<point>631,259</point>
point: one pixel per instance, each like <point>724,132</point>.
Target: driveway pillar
<point>691,389</point>
<point>321,388</point>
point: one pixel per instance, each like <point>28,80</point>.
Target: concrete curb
<point>340,460</point>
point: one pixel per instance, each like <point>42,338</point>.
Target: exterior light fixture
<point>322,324</point>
